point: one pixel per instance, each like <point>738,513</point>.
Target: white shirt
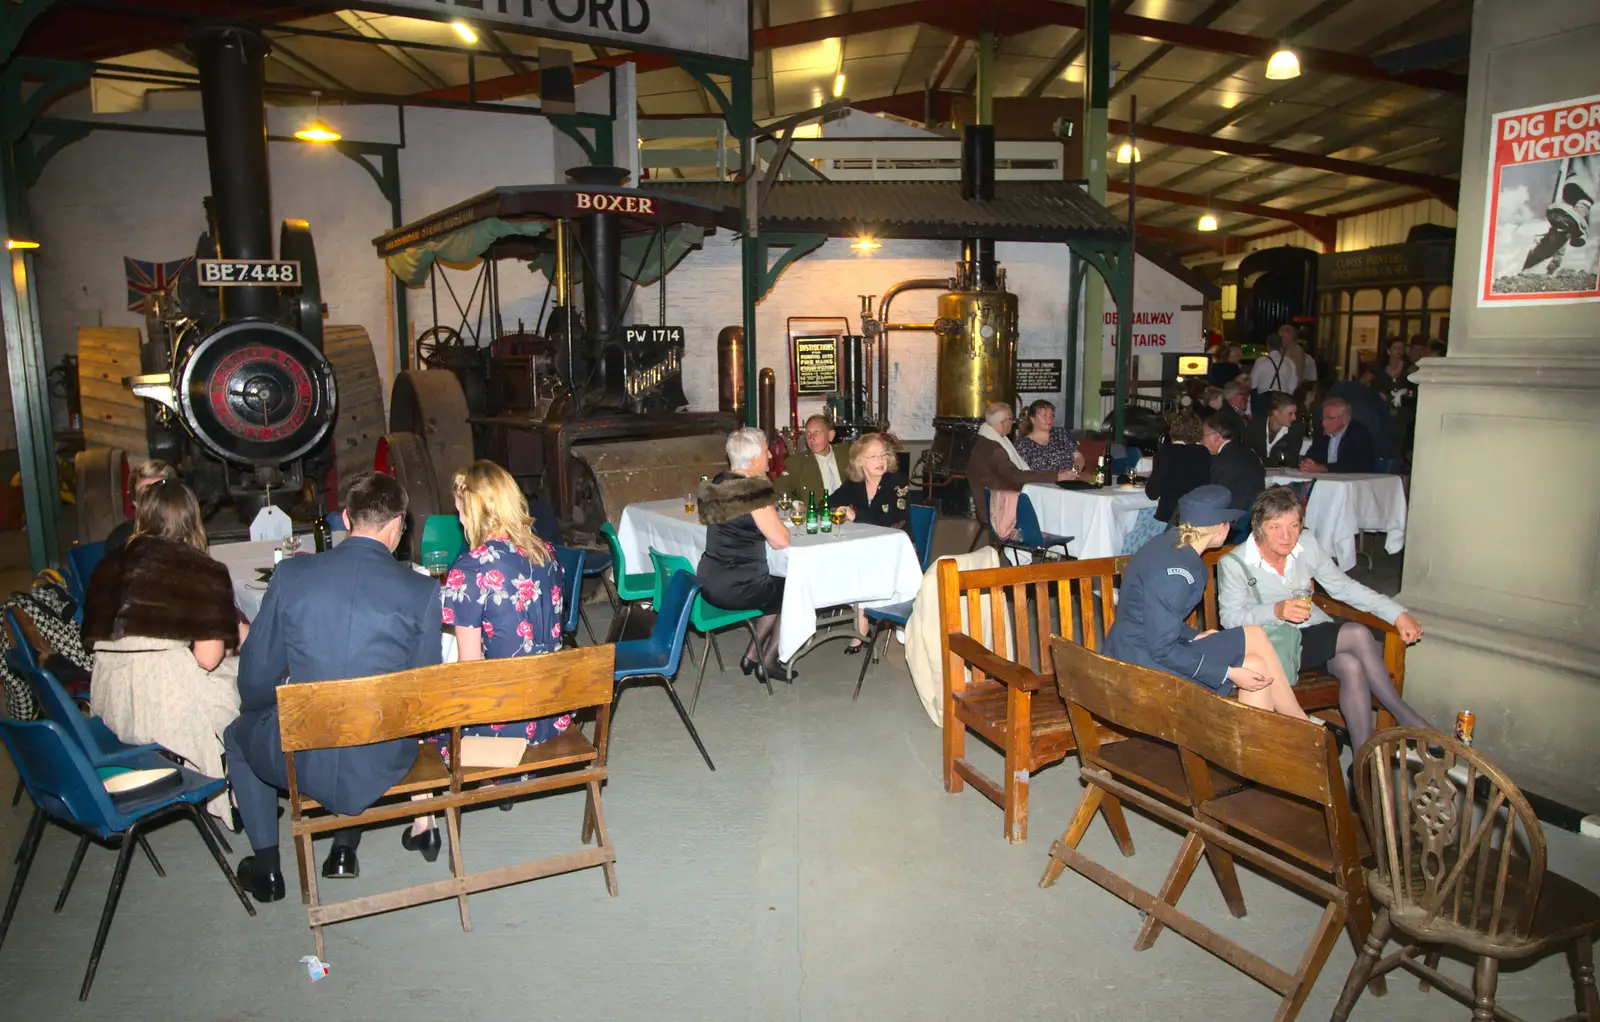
<point>1333,445</point>
<point>1273,371</point>
<point>1273,438</point>
<point>1248,588</point>
<point>829,468</point>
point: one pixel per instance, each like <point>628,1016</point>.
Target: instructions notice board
<point>1038,376</point>
<point>816,365</point>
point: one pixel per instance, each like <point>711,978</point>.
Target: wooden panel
<point>338,714</point>
<point>112,416</point>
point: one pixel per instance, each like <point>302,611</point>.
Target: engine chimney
<point>233,97</point>
<point>600,237</point>
<point>977,184</point>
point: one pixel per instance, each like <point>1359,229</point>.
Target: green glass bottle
<point>811,514</point>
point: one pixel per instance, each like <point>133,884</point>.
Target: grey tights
<point>1358,664</point>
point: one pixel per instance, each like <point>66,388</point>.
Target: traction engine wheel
<point>403,456</point>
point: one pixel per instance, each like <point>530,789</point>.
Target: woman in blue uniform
<point>1162,585</point>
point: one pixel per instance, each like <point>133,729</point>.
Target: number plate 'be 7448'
<point>248,272</point>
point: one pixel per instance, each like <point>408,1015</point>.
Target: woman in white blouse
<point>1257,582</point>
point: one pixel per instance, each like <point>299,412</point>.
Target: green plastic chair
<point>630,589</point>
<point>442,537</point>
<point>704,617</point>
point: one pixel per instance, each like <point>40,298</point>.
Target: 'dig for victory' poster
<point>1540,244</point>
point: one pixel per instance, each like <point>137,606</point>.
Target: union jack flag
<point>144,279</point>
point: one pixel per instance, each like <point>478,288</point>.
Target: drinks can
<point>1465,722</point>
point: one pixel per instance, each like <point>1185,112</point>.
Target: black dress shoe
<point>747,665</point>
<point>428,844</point>
<point>855,649</point>
<point>263,885</point>
<point>778,672</point>
<point>341,864</point>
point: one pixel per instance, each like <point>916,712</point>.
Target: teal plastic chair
<point>630,589</point>
<point>443,535</point>
<point>704,617</point>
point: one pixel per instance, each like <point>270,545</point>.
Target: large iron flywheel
<point>257,392</point>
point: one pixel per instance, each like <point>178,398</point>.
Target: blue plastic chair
<point>66,789</point>
<point>26,654</point>
<point>82,559</point>
<point>90,734</point>
<point>548,525</point>
<point>1145,528</point>
<point>655,660</point>
<point>923,518</point>
<point>571,562</point>
<point>1034,539</point>
<point>705,617</point>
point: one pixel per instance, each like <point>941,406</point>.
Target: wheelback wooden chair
<point>1456,871</point>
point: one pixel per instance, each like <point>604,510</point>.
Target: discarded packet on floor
<point>316,968</point>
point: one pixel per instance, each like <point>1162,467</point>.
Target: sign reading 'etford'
<point>248,272</point>
<point>715,28</point>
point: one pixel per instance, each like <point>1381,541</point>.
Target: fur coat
<point>160,589</point>
<point>735,495</point>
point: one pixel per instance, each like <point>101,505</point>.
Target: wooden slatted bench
<point>999,681</point>
<point>1288,815</point>
<point>362,711</point>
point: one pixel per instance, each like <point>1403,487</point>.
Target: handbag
<point>1285,637</point>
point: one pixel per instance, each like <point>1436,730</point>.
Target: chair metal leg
<point>30,845</point>
<point>72,872</point>
<point>113,895</point>
<point>583,615</point>
<point>683,715</point>
<point>711,640</point>
<point>207,825</point>
<point>867,656</point>
<point>694,700</point>
<point>16,796</point>
<point>216,830</point>
<point>151,855</point>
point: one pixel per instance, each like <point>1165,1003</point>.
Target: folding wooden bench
<point>999,679</point>
<point>1285,812</point>
<point>338,714</point>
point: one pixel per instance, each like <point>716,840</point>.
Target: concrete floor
<point>820,873</point>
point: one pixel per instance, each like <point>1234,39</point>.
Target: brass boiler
<point>977,332</point>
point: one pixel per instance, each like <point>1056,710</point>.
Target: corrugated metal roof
<point>1020,210</point>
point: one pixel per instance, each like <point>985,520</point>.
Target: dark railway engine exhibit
<point>584,410</point>
<point>233,382</point>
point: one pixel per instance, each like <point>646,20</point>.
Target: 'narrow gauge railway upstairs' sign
<point>714,28</point>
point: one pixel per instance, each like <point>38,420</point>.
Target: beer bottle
<point>811,514</point>
<point>320,537</point>
<point>824,516</point>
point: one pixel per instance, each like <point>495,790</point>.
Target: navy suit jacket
<point>351,612</point>
<point>1356,452</point>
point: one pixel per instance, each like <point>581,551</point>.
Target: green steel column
<point>985,83</point>
<point>752,262</point>
<point>30,402</point>
<point>1096,97</point>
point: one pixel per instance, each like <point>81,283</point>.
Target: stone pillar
<point>1503,552</point>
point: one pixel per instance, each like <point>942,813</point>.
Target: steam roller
<point>237,381</point>
<point>585,411</point>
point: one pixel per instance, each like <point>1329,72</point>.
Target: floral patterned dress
<point>517,604</point>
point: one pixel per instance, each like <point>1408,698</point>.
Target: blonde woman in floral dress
<point>503,597</point>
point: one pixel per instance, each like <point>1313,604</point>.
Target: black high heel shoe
<point>428,844</point>
<point>778,672</point>
<point>748,666</point>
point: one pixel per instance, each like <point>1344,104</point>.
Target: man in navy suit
<point>351,612</point>
<point>1344,446</point>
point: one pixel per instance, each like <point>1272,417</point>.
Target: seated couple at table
<point>502,597</point>
<point>996,466</point>
<point>1166,580</point>
<point>159,616</point>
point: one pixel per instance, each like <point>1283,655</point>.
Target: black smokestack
<point>977,185</point>
<point>600,237</point>
<point>233,97</point>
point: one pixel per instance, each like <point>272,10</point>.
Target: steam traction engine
<point>233,381</point>
<point>584,410</point>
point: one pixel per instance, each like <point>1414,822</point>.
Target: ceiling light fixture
<point>1208,222</point>
<point>1128,153</point>
<point>318,130</point>
<point>1283,65</point>
<point>14,244</point>
<point>466,32</point>
<point>838,85</point>
<point>865,244</point>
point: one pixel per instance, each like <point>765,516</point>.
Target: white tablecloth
<point>1344,505</point>
<point>865,564</point>
<point>245,562</point>
<point>1097,520</point>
